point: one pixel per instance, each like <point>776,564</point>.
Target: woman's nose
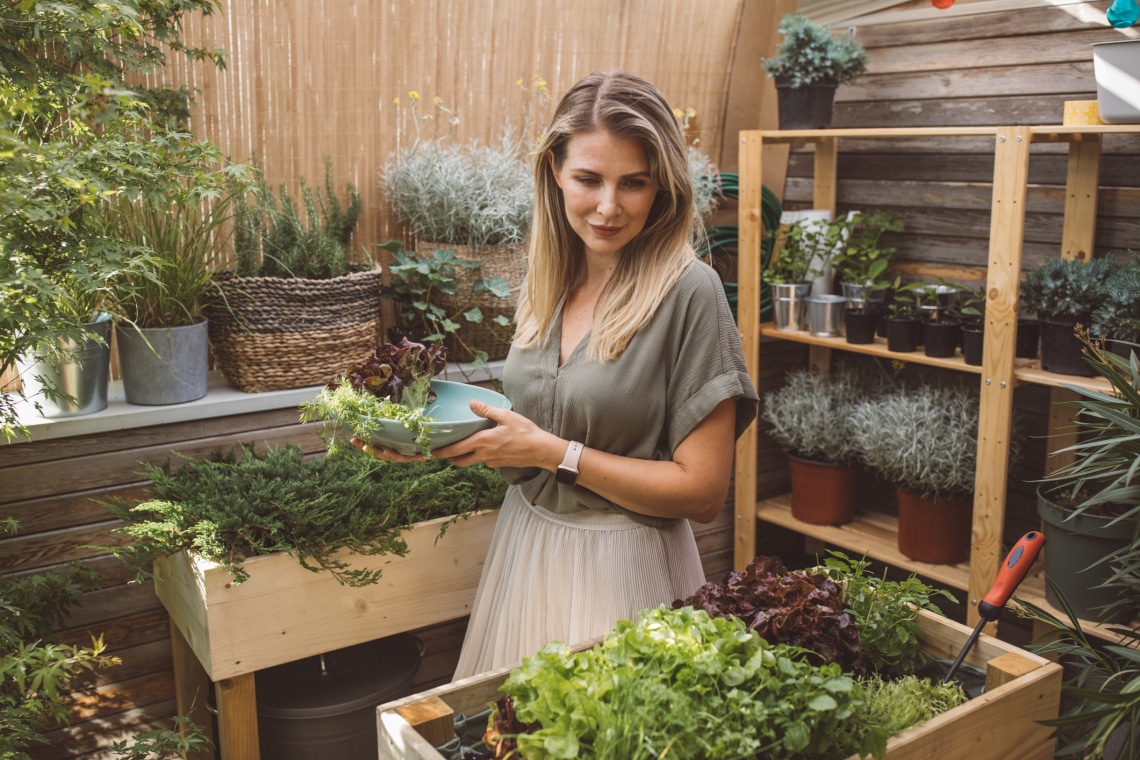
<point>608,204</point>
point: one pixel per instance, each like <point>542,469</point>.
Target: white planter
<point>1117,69</point>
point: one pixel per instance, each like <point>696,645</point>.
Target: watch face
<point>565,476</point>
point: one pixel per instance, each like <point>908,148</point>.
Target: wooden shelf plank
<point>871,533</point>
<point>878,348</point>
<point>817,135</point>
<point>1029,371</point>
<point>1032,590</point>
<point>875,534</point>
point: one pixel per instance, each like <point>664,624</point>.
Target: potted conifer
<point>808,67</point>
<point>1065,293</point>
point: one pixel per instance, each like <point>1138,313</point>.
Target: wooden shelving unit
<point>873,533</point>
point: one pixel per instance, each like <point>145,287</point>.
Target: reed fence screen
<point>308,80</point>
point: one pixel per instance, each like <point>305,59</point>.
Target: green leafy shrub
<point>1118,316</point>
<point>810,54</point>
<point>272,239</point>
<point>243,504</point>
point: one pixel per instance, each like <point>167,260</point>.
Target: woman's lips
<point>605,231</point>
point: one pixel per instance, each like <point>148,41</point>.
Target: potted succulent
<point>474,200</point>
<point>1065,293</point>
<point>803,250</point>
<point>295,281</point>
<point>808,419</point>
<point>923,440</point>
<point>808,67</point>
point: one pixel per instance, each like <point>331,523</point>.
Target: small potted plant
<point>903,324</point>
<point>808,418</point>
<point>923,440</point>
<point>861,264</point>
<point>970,312</point>
<point>802,252</point>
<point>808,67</point>
<point>475,200</point>
<point>940,328</point>
<point>1065,293</point>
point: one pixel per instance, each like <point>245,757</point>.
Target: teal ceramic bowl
<point>454,418</point>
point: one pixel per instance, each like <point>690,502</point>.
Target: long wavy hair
<point>629,107</point>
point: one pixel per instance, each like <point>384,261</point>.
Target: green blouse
<point>643,403</point>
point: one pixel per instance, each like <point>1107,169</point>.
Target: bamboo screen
<point>308,80</point>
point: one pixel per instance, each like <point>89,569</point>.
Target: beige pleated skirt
<point>569,578</point>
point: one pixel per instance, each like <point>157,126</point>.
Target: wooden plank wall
<point>1010,65</point>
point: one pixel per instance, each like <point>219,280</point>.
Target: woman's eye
<point>637,184</point>
<point>588,181</point>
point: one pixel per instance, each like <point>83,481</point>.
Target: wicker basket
<point>505,261</point>
<point>274,333</point>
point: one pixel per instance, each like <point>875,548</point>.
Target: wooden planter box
<point>1021,688</point>
<point>285,612</point>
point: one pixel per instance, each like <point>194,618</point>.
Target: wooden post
<point>237,718</point>
<point>192,687</point>
<point>751,229</point>
<point>995,413</point>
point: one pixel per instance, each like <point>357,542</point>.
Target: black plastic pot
<point>807,107</point>
<point>1060,347</point>
<point>940,339</point>
<point>902,334</point>
<point>860,325</point>
<point>1028,336</point>
<point>973,339</point>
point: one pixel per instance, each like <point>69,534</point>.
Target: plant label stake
<point>1013,570</point>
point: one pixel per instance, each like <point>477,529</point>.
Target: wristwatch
<point>567,473</point>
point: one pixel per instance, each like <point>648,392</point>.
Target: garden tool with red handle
<point>1013,570</point>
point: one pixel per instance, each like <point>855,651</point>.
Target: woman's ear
<point>554,168</point>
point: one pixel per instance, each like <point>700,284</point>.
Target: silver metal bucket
<point>861,295</point>
<point>81,374</point>
<point>789,305</point>
<point>825,315</point>
<point>163,365</point>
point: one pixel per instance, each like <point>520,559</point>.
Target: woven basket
<point>505,261</point>
<point>273,333</point>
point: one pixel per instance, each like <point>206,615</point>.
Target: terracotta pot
<point>934,531</point>
<point>822,493</point>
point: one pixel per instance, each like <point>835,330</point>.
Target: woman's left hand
<point>515,441</point>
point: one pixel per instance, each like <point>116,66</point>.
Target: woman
<point>627,382</point>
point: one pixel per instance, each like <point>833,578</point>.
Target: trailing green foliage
<point>242,504</point>
<point>421,285</point>
<point>272,239</point>
<point>809,54</point>
<point>362,415</point>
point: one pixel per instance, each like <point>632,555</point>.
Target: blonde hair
<point>629,107</point>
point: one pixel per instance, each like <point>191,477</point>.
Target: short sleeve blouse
<point>643,403</point>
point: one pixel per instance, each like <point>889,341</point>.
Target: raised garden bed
<point>1021,689</point>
